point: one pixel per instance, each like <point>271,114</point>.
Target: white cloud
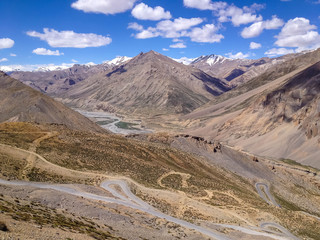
<point>104,6</point>
<point>278,51</point>
<point>239,16</point>
<point>74,61</point>
<point>180,27</point>
<point>166,28</point>
<point>165,49</point>
<point>238,55</point>
<point>300,34</point>
<point>254,45</point>
<point>253,30</point>
<point>147,33</point>
<point>70,39</point>
<point>274,23</point>
<point>173,29</point>
<point>3,59</point>
<point>178,45</point>
<point>204,4</point>
<point>43,51</point>
<point>144,12</point>
<point>135,26</point>
<point>184,60</point>
<point>6,43</point>
<point>205,34</point>
<point>257,28</point>
<point>13,55</point>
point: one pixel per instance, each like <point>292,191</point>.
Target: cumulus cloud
<point>135,26</point>
<point>226,12</point>
<point>257,28</point>
<point>204,4</point>
<point>166,28</point>
<point>103,6</point>
<point>239,16</point>
<point>278,51</point>
<point>298,33</point>
<point>180,27</point>
<point>6,43</point>
<point>70,39</point>
<point>254,45</point>
<point>178,45</point>
<point>206,34</point>
<point>238,55</point>
<point>43,51</point>
<point>13,55</point>
<point>165,49</point>
<point>3,59</point>
<point>173,29</point>
<point>147,33</point>
<point>144,12</point>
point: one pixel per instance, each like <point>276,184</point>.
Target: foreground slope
<point>22,103</point>
<point>148,84</point>
<point>174,182</point>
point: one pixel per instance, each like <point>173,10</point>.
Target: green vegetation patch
<point>126,125</point>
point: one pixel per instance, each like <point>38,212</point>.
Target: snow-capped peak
<point>210,59</point>
<point>117,61</point>
<point>184,60</point>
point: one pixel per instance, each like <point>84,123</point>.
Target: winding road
<point>265,195</point>
<point>126,198</point>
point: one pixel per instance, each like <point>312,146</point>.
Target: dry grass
<point>146,162</point>
<point>36,213</point>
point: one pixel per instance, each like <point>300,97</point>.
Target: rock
<point>3,227</point>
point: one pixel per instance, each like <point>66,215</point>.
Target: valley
<point>152,148</point>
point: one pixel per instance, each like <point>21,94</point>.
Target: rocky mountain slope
<point>20,103</point>
<point>274,114</point>
<point>289,114</point>
<point>236,71</point>
<point>148,84</point>
<point>60,80</point>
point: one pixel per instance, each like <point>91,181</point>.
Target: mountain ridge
<point>21,103</point>
<point>149,81</point>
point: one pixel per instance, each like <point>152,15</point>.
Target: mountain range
<point>148,84</point>
<point>233,151</point>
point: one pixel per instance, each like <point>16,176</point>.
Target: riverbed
<point>114,123</point>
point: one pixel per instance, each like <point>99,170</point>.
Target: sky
<point>65,32</point>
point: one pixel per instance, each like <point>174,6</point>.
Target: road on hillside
<point>126,198</point>
<point>266,195</point>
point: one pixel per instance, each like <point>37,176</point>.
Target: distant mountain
<point>56,79</point>
<point>150,84</point>
<point>235,71</point>
<point>20,103</point>
<point>274,114</point>
<point>117,61</point>
<point>184,60</point>
<point>284,122</point>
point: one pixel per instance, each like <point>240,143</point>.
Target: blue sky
<point>34,32</point>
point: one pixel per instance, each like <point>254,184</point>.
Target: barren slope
<point>289,114</point>
<point>150,84</point>
<point>22,103</point>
